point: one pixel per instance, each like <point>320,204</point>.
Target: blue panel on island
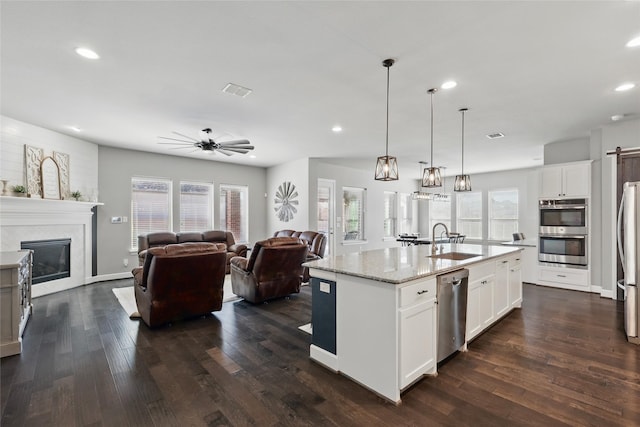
<point>323,307</point>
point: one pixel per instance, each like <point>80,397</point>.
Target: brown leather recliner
<point>180,281</point>
<point>162,238</point>
<point>317,243</point>
<point>273,270</point>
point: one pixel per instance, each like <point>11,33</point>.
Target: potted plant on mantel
<point>19,191</point>
<point>76,195</point>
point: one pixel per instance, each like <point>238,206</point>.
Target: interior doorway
<point>628,170</point>
<point>327,212</point>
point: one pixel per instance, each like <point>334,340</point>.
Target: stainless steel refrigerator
<point>629,248</point>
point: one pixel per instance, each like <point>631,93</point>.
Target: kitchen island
<point>374,313</point>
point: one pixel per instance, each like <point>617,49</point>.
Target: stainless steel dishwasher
<point>452,311</point>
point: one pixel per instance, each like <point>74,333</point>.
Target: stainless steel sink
<point>455,256</point>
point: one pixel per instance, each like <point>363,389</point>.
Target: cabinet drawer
<point>515,261</point>
<point>418,292</point>
<point>482,270</point>
<point>565,275</point>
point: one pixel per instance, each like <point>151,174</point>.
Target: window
<point>503,214</point>
<point>150,207</point>
<point>234,211</point>
<point>405,214</point>
<point>353,213</point>
<point>196,206</point>
<point>469,214</point>
<point>390,216</point>
<point>440,211</point>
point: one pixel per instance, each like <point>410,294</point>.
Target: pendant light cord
<point>462,142</point>
<point>432,129</point>
<point>387,136</point>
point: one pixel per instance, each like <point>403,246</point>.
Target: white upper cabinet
<point>567,180</point>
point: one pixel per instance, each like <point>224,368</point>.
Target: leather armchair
<point>179,281</point>
<point>162,238</point>
<point>317,243</point>
<point>273,270</point>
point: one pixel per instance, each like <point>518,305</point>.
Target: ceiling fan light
<point>462,183</point>
<point>386,168</point>
<point>431,177</point>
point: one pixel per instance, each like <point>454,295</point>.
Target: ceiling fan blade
<point>186,136</point>
<point>222,150</point>
<point>234,150</point>
<point>237,147</point>
<point>174,139</point>
<point>180,148</point>
<point>236,142</point>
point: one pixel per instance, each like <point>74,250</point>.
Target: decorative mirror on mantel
<point>50,178</point>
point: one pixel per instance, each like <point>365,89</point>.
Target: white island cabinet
<point>383,304</point>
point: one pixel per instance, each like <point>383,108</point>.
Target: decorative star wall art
<point>285,201</point>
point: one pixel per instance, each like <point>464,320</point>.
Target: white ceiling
<point>539,72</point>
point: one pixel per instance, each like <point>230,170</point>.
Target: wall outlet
<point>125,262</point>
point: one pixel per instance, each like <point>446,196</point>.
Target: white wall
<point>624,134</point>
<point>571,150</point>
<point>374,216</point>
<point>297,173</point>
<point>117,166</point>
<point>526,181</point>
<point>83,155</point>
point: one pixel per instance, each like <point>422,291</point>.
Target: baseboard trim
<point>48,288</point>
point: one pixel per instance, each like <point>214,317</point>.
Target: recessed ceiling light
<point>337,129</point>
<point>252,156</point>
<point>87,53</point>
<point>75,128</point>
<point>625,86</point>
<point>634,42</point>
<point>448,85</point>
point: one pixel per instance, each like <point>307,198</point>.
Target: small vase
<point>4,186</point>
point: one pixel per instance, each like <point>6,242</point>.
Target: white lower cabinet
<point>494,289</point>
<point>501,303</point>
<point>417,341</point>
<point>515,282</point>
<point>480,311</point>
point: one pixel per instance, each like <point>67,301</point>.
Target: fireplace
<point>51,259</point>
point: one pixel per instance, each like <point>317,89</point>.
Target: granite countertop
<point>529,243</point>
<point>400,265</point>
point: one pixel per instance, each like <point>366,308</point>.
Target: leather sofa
<point>273,270</point>
<point>317,243</point>
<point>162,238</point>
<point>180,281</point>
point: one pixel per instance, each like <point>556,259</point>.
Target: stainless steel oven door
<point>563,219</point>
<point>563,249</point>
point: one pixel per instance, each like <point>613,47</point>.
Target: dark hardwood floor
<point>561,360</point>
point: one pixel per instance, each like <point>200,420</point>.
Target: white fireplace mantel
<point>24,219</point>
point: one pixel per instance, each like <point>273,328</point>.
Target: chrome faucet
<point>433,236</point>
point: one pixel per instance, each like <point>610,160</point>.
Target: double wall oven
<point>563,234</point>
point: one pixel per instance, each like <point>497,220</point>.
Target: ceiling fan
<point>208,144</point>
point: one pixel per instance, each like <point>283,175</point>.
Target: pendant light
<point>463,182</point>
<point>421,195</point>
<point>387,166</point>
<point>431,176</point>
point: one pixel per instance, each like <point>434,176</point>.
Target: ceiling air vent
<point>237,90</point>
<point>495,135</point>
